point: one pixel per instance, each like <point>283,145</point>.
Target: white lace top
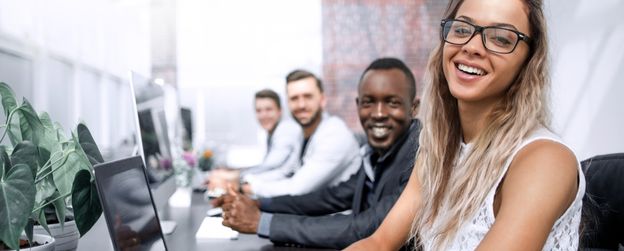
<point>565,232</point>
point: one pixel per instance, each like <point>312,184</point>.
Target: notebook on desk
<point>128,205</point>
<point>211,228</point>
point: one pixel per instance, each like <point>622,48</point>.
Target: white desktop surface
<point>188,220</point>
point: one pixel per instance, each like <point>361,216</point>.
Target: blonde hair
<point>451,196</point>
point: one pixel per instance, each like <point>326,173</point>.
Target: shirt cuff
<point>264,226</point>
<point>265,203</point>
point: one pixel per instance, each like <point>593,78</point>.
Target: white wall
<point>588,74</point>
<point>229,49</point>
<point>109,35</point>
<point>71,58</point>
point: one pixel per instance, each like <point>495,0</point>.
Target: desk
<point>183,238</point>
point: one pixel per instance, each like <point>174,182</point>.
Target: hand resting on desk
<point>240,212</point>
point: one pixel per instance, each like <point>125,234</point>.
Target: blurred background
<point>72,58</point>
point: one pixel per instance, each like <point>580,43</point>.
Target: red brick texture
<point>357,32</point>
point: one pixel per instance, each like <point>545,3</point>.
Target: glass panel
<point>57,98</point>
<point>16,71</point>
<point>90,102</point>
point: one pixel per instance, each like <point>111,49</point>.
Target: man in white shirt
<point>329,153</point>
<point>283,135</point>
<point>283,142</point>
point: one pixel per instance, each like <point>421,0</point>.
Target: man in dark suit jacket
<point>386,95</point>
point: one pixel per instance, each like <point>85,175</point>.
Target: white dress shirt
<point>283,151</point>
<point>331,156</point>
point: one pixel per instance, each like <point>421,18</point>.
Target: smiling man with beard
<point>329,153</point>
<point>386,99</point>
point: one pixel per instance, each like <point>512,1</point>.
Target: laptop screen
<point>128,205</point>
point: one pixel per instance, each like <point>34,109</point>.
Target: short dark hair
<point>270,94</point>
<point>394,63</point>
<point>301,74</point>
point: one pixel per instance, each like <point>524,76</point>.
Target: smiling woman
<point>483,177</point>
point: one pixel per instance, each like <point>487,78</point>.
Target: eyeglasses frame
<point>479,29</point>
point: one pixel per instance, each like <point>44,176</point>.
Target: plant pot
<point>47,240</point>
<point>66,238</point>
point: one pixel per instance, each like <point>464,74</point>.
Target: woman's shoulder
<point>542,186</point>
<point>544,151</point>
<point>546,155</point>
<point>545,167</point>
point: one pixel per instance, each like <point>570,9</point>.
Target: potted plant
<point>42,242</point>
<point>43,168</point>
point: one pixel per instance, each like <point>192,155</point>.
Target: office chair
<point>602,226</point>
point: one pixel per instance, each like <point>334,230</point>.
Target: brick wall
<point>357,32</point>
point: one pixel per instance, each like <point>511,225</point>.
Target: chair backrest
<point>603,204</point>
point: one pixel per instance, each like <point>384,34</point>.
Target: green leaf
<point>26,153</point>
<point>49,136</point>
<point>88,145</point>
<point>25,125</point>
<point>17,198</point>
<point>85,201</point>
<point>60,207</point>
<point>30,125</point>
<point>43,156</point>
<point>8,98</point>
<point>29,229</point>
<point>41,219</point>
<point>60,134</point>
<point>5,162</point>
<point>15,130</point>
<point>66,170</point>
<point>45,190</point>
<point>45,187</point>
<point>46,121</point>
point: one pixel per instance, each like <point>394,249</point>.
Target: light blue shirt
<point>283,151</point>
<point>331,156</point>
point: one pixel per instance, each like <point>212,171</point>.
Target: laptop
<point>128,205</point>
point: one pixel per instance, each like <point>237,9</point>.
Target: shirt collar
<point>367,152</point>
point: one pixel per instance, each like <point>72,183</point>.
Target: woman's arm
<point>540,185</point>
<point>394,230</point>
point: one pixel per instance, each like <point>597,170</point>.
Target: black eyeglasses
<point>496,39</point>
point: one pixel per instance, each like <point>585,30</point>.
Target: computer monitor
<point>136,80</point>
<point>187,125</point>
<point>151,127</point>
<point>153,122</point>
<point>150,120</point>
<point>128,205</point>
<point>149,138</point>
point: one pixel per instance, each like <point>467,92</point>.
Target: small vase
<point>183,173</point>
